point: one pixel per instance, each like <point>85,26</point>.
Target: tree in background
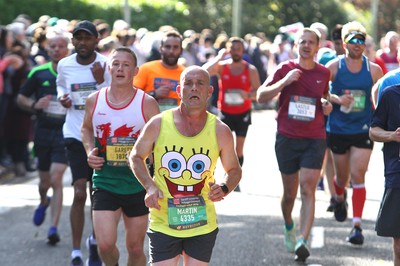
<point>257,15</point>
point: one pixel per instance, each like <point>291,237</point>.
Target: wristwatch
<point>224,188</point>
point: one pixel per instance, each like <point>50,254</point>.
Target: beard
<point>355,55</point>
<point>236,58</point>
<point>170,61</point>
<point>85,55</point>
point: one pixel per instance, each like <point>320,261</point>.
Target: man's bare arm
<point>229,162</point>
<point>137,161</point>
<point>381,135</point>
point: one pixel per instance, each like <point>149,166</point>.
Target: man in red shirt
<point>302,87</point>
<point>238,82</point>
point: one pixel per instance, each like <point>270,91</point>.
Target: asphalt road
<point>250,222</point>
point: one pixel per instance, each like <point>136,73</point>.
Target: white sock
<point>76,253</point>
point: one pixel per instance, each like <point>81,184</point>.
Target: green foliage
<point>145,15</point>
<point>152,17</point>
<point>257,15</point>
<point>264,16</point>
<point>70,9</point>
<point>362,16</point>
<point>389,16</point>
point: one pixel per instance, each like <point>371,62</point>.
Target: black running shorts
<point>132,205</point>
<point>340,144</point>
<point>293,154</point>
<point>388,221</point>
<point>164,247</point>
<point>78,160</point>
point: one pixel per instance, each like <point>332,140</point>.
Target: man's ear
<point>210,91</point>
<point>178,91</point>
<point>136,71</point>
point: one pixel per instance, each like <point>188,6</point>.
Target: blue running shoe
<point>355,237</point>
<point>94,258</point>
<point>52,236</point>
<point>40,213</point>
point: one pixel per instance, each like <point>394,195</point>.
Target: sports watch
<point>224,188</point>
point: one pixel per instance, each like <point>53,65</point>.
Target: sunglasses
<point>356,41</point>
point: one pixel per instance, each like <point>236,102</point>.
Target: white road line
<point>317,237</point>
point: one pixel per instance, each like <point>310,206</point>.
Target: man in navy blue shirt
<point>385,127</point>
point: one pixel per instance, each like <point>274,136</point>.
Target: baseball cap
<point>353,34</point>
<point>87,26</point>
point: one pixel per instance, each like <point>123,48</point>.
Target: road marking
<point>317,237</point>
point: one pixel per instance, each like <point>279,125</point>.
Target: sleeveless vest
<point>115,132</point>
<point>183,168</point>
<point>356,120</point>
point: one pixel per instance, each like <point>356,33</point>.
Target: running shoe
<point>52,236</point>
<point>355,237</point>
<point>331,206</point>
<point>40,213</point>
<point>340,209</point>
<point>301,250</point>
<point>77,261</point>
<point>320,185</point>
<point>290,238</point>
<point>94,258</point>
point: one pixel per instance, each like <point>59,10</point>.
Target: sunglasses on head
<point>356,41</point>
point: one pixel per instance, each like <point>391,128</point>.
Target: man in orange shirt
<point>159,78</point>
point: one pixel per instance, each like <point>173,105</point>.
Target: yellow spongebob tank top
<point>183,168</point>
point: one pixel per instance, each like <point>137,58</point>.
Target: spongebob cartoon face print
<point>185,176</point>
<point>185,179</point>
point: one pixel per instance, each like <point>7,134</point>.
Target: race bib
<point>186,212</point>
<point>80,92</point>
<point>359,100</point>
<point>117,150</point>
<point>55,109</point>
<point>302,108</point>
<point>233,97</point>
